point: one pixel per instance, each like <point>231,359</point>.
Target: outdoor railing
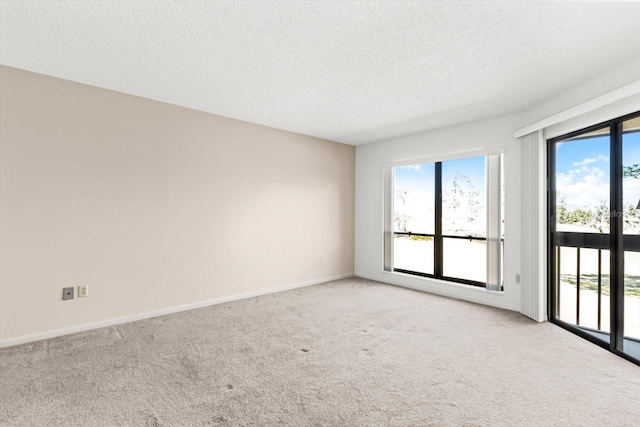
<point>443,237</point>
<point>599,242</point>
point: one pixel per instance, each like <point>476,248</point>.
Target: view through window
<point>595,234</point>
<point>440,219</point>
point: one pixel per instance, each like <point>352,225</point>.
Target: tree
<point>597,217</point>
<point>631,214</point>
<point>462,203</point>
<point>600,217</point>
<point>562,212</point>
<point>632,171</point>
<point>399,218</point>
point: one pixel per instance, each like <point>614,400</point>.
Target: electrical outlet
<point>67,293</point>
<point>518,278</point>
<point>83,291</point>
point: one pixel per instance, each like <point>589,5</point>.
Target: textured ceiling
<point>353,72</point>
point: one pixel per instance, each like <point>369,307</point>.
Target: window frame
<point>615,238</point>
<point>389,232</point>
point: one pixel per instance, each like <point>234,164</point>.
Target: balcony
<point>583,299</point>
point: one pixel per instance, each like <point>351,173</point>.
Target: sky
<point>582,178</point>
<point>582,170</point>
<point>416,177</point>
<point>418,203</point>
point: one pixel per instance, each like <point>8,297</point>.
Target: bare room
<point>319,213</point>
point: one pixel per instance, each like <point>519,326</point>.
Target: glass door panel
<point>581,231</point>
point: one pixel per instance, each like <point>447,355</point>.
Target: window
<point>444,219</point>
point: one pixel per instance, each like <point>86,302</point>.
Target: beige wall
<point>155,206</point>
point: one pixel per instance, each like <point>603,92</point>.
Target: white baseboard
<point>164,311</point>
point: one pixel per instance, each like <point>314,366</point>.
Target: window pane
<point>582,183</point>
<point>413,253</point>
<point>464,197</point>
<point>464,259</point>
<point>463,203</point>
<point>414,198</point>
<point>632,295</point>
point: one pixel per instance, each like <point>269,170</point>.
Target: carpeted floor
<point>346,353</point>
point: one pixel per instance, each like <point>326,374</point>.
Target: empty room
<point>319,213</point>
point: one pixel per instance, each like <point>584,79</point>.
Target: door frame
<point>616,338</point>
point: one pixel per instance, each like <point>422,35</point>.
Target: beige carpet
<point>346,353</point>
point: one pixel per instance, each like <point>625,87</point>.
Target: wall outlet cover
<point>67,293</point>
<point>83,291</point>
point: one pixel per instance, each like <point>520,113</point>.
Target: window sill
<point>442,282</point>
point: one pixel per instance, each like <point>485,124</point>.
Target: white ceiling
<point>354,72</point>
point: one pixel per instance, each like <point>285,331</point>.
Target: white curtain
<point>494,222</point>
<point>533,226</point>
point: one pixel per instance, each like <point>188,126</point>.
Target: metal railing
<point>599,242</point>
<point>444,236</point>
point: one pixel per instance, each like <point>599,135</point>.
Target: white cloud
<point>631,191</point>
<point>586,187</point>
<point>417,168</point>
<point>590,160</point>
<point>583,188</point>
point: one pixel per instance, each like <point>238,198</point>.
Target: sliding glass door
<point>594,226</point>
